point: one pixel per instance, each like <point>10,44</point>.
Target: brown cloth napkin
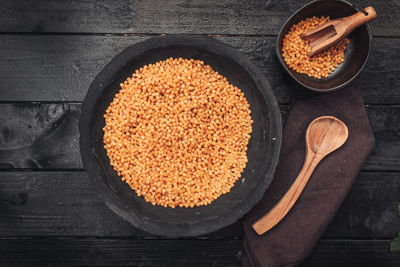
<point>293,239</point>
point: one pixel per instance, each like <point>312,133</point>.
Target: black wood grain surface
<point>150,252</point>
<point>50,51</point>
<point>172,16</point>
<point>45,136</point>
<point>61,68</point>
<point>64,204</point>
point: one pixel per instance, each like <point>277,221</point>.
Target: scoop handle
<point>359,18</point>
<point>279,211</point>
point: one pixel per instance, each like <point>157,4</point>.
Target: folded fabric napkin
<point>293,239</point>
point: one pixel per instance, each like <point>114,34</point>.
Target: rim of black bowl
<point>99,84</point>
<point>286,67</point>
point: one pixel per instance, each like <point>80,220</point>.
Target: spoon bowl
<point>326,134</point>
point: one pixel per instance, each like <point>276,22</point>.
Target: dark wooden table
<point>51,50</point>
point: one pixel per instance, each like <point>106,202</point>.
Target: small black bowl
<point>263,148</point>
<point>355,55</point>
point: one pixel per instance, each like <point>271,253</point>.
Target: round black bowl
<point>355,55</point>
<point>263,148</point>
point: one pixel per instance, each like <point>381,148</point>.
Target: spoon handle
<point>359,19</point>
<point>278,212</point>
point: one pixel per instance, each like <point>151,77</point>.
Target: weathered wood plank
<point>369,211</point>
<point>123,252</point>
<point>53,68</point>
<point>352,253</point>
<point>64,204</point>
<point>45,136</point>
<point>61,204</point>
<point>385,123</point>
<point>119,252</point>
<point>61,68</point>
<point>39,136</point>
<point>177,16</point>
<point>55,203</point>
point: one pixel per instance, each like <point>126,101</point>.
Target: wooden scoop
<point>333,31</point>
<point>324,135</point>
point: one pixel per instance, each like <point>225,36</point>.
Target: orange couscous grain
<point>295,51</point>
<point>177,133</point>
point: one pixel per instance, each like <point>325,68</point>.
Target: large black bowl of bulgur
<point>180,135</point>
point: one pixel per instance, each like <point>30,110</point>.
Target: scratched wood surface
<point>173,16</point>
<point>64,204</point>
<point>62,67</point>
<point>33,135</point>
<point>150,252</point>
<point>50,52</point>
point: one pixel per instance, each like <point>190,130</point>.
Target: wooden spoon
<point>324,135</point>
<point>333,31</point>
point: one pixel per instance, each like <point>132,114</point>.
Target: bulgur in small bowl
<point>356,52</point>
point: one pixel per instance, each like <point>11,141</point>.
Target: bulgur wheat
<point>295,51</point>
<point>177,133</point>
